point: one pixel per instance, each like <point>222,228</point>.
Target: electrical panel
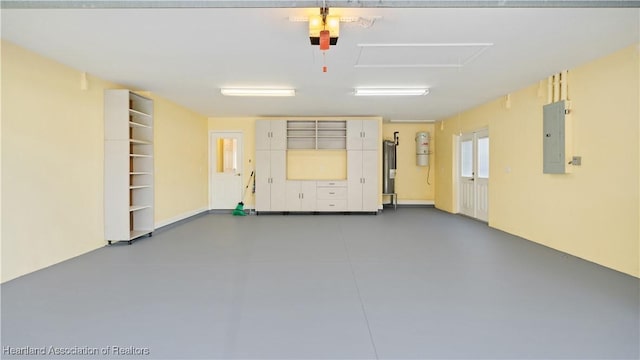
<point>556,139</point>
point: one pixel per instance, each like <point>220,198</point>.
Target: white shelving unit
<point>316,135</point>
<point>128,171</point>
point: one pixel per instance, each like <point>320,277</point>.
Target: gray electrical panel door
<point>553,143</point>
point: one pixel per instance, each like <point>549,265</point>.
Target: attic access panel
<point>444,55</point>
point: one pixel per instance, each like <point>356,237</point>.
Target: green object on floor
<point>239,210</point>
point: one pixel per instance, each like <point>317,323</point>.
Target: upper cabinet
<point>362,135</point>
<point>271,135</point>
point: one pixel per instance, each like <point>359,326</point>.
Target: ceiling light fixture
<point>257,92</point>
<point>410,121</point>
<point>391,91</point>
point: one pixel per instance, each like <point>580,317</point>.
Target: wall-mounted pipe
<point>558,87</point>
<point>564,85</point>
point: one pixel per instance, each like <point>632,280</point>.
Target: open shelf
<point>137,233</point>
<point>134,187</point>
<point>136,124</point>
<point>138,113</point>
<point>138,207</point>
<point>316,134</point>
<point>128,171</point>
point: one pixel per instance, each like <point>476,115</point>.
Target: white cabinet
<point>362,135</point>
<point>128,166</point>
<point>360,192</point>
<point>331,196</point>
<point>362,175</point>
<point>270,180</point>
<point>300,195</point>
<point>271,142</point>
<point>271,135</point>
<point>362,165</point>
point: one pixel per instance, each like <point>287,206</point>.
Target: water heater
<point>422,148</point>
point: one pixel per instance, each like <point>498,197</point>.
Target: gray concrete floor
<point>415,283</point>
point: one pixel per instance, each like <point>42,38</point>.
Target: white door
<point>369,135</point>
<point>263,180</point>
<point>354,134</point>
<point>278,178</point>
<point>354,180</point>
<point>370,188</point>
<point>293,195</point>
<point>362,135</point>
<point>225,189</point>
<point>482,175</point>
<point>474,175</point>
<point>308,191</point>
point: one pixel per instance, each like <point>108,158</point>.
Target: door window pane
<point>466,152</point>
<point>227,155</point>
<point>483,157</point>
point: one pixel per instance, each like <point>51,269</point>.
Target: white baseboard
<point>177,218</point>
<point>416,202</point>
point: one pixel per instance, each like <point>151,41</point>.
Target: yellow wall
<point>247,126</point>
<point>52,151</point>
<point>52,162</point>
<point>411,180</point>
<point>317,165</point>
<point>592,213</point>
<point>181,173</point>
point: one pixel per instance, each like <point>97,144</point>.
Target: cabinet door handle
<point>331,193</point>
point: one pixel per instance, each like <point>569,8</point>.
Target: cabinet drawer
<point>332,183</point>
<point>331,205</point>
<point>332,193</point>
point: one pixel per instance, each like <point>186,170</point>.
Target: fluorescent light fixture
<point>410,121</point>
<point>391,91</point>
<point>257,92</point>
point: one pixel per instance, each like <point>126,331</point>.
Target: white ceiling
<point>188,54</point>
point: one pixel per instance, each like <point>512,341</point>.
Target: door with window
<point>225,190</point>
<point>474,174</point>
